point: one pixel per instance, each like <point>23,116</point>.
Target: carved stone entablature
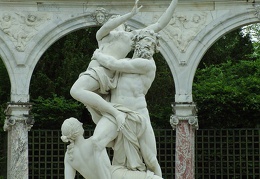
<point>192,120</point>
<point>21,27</point>
<point>18,112</point>
<point>184,27</point>
<point>48,7</point>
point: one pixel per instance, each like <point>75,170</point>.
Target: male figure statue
<point>136,142</point>
<point>114,44</point>
<point>113,40</point>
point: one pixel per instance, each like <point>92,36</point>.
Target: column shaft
<point>184,152</point>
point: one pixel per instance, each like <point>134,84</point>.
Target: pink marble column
<point>185,123</point>
<point>17,124</point>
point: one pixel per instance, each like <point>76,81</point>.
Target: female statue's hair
<point>71,129</point>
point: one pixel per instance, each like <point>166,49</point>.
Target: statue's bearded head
<point>145,44</point>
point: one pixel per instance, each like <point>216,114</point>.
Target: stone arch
<point>171,59</point>
<point>53,35</point>
<point>77,23</point>
<point>210,34</point>
<point>8,60</point>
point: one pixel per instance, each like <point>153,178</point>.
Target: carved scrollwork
<point>21,28</point>
<point>188,113</point>
<point>192,120</point>
<point>174,121</point>
<point>11,119</point>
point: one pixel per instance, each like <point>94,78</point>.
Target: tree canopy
<point>227,84</point>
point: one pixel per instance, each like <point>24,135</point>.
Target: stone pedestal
<point>17,123</point>
<point>185,123</point>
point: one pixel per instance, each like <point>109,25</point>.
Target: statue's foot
<point>120,118</point>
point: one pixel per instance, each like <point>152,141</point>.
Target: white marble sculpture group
<point>113,89</point>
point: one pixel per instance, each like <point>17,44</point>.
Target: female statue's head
<point>71,129</point>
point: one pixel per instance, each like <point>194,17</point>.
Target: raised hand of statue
<point>136,9</point>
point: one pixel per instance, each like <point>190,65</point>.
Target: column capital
<point>184,112</point>
<point>18,112</point>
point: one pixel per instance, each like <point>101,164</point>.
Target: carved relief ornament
<point>184,27</point>
<point>21,27</point>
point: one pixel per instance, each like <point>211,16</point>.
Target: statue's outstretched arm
<point>164,19</point>
<point>114,23</point>
<point>137,65</point>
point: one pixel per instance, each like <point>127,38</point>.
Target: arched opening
<point>59,68</point>
<point>226,84</point>
<point>5,88</point>
<point>56,72</point>
<point>226,90</point>
<point>161,94</point>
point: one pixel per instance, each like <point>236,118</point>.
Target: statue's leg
<point>131,174</point>
<point>83,91</point>
<point>149,151</point>
<point>104,133</point>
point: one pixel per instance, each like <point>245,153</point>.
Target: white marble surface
<point>123,117</point>
<point>204,21</point>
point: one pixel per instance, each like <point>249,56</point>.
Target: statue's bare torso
<point>133,87</point>
<point>114,44</point>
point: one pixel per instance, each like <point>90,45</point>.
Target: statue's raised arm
<point>113,23</point>
<point>164,19</point>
